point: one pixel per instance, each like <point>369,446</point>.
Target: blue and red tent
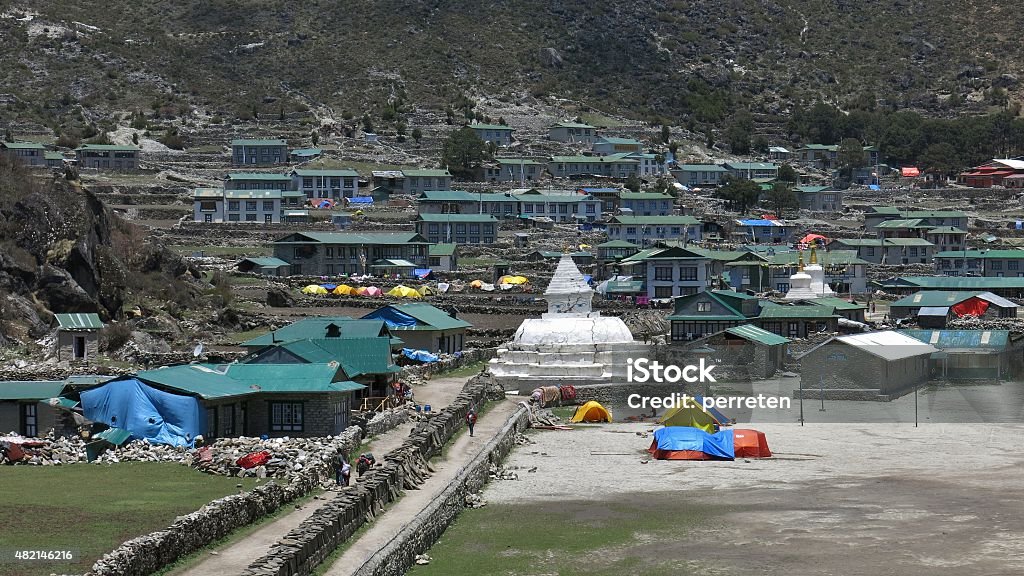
<point>687,443</point>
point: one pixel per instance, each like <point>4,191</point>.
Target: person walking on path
<point>342,469</point>
<point>471,421</point>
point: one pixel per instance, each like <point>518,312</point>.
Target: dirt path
<point>234,556</point>
<point>387,526</point>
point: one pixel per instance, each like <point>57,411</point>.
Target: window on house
<point>329,252</point>
<point>591,209</point>
<point>688,273</point>
<point>29,420</point>
<point>229,419</point>
<point>662,291</point>
<point>528,208</point>
<point>212,423</point>
<point>435,261</point>
<point>268,205</point>
<point>232,204</point>
<point>250,205</point>
<point>703,306</point>
<point>1012,264</point>
<point>631,230</point>
<point>663,273</point>
<point>268,218</point>
<point>250,217</point>
<point>286,417</point>
<point>233,218</point>
<point>997,264</point>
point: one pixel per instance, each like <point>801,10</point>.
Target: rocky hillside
<point>61,250</point>
<point>687,61</point>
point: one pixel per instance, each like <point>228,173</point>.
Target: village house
<point>619,165</point>
<point>876,215</point>
<point>213,205</point>
<point>424,327</point>
<point>415,181</point>
<point>934,308</point>
<point>889,251</point>
<point>646,203</point>
<point>333,184</point>
<point>443,257</point>
<point>667,272</point>
<point>709,312</point>
<point>609,197</point>
<point>248,152</point>
<point>24,408</point>
<point>972,354</point>
<point>779,153</point>
<point>764,231</point>
<point>257,181</point>
<point>263,266</point>
<point>497,133</point>
<point>334,253</point>
<point>457,228</point>
<point>573,132</point>
<point>609,253</point>
<point>53,159</point>
<point>304,154</point>
<point>645,230</point>
<point>108,157</point>
<point>608,146</point>
<point>696,175</point>
<point>991,263</point>
<point>28,153</point>
<point>819,198</point>
<point>501,205</point>
<point>448,202</point>
<point>78,336</point>
<point>389,181</point>
<point>752,170</point>
<point>319,327</point>
<point>797,321</point>
<point>845,273</point>
<point>869,366</point>
<point>825,156</point>
<point>1007,287</point>
<point>520,170</point>
<point>746,349</point>
<point>558,205</point>
<point>1008,172</point>
<point>651,164</point>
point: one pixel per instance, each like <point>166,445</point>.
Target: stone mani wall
<point>152,552</point>
<point>467,357</point>
<point>302,549</point>
<point>426,528</point>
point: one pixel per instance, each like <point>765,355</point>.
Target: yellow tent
<point>584,246</point>
<point>343,290</point>
<point>404,292</point>
<point>512,280</point>
<point>314,289</point>
<point>691,413</point>
<point>426,291</point>
<point>476,284</point>
<point>591,412</point>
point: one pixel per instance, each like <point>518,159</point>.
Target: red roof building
<point>994,173</point>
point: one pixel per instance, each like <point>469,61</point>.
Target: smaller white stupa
<point>570,342</point>
<point>809,281</point>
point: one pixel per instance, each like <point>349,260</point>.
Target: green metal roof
<point>49,155</point>
<point>79,321</point>
<point>671,220</point>
<point>772,311</point>
<point>837,303</point>
<point>613,140</point>
<point>316,328</point>
<point>751,166</point>
<point>357,356</point>
<point>108,147</point>
<point>23,145</point>
<point>933,298</point>
<point>612,159</point>
<point>490,127</point>
<point>303,172</point>
<point>387,238</point>
<point>266,262</point>
<point>518,161</point>
<point>306,152</point>
<point>624,286</point>
<point>258,142</point>
<point>427,317</point>
<point>392,263</point>
<point>617,244</point>
<point>680,302</point>
<point>987,254</point>
<point>811,189</point>
<point>457,218</point>
<point>702,168</point>
<point>887,210</point>
<point>933,214</point>
<point>645,196</point>
<point>734,294</point>
<point>759,335</point>
<point>442,249</point>
<point>904,223</point>
<point>832,257</point>
<point>956,282</point>
<point>908,242</point>
<point>947,230</point>
<point>829,147</point>
<point>252,194</point>
<point>447,196</point>
<point>426,172</point>
<point>211,381</point>
<point>262,176</point>
<point>208,193</point>
<point>961,339</point>
<point>30,390</point>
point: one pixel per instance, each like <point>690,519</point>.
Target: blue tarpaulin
<point>328,287</point>
<point>717,445</point>
<point>393,318</point>
<point>874,187</point>
<point>419,355</point>
<point>421,273</point>
<point>759,223</point>
<point>588,278</point>
<point>145,412</point>
<point>361,200</point>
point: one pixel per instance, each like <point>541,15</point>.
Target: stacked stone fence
<point>404,468</point>
<point>426,528</point>
<point>192,532</point>
<point>451,363</point>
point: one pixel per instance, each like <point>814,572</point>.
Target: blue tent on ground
<point>687,443</point>
<point>419,355</point>
<point>145,412</point>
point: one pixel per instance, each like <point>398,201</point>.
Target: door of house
<point>243,413</point>
<point>29,420</point>
<point>794,330</point>
<point>79,347</point>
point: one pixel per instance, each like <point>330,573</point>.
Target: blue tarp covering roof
<point>145,412</point>
<point>759,223</point>
<point>419,355</point>
<point>718,445</point>
<point>588,278</point>
<point>361,200</point>
<point>393,318</point>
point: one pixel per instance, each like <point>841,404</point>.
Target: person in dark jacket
<point>471,421</point>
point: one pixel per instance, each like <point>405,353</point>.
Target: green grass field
<point>91,509</point>
<point>571,539</point>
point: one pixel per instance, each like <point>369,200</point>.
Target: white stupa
<point>570,342</point>
<point>809,281</point>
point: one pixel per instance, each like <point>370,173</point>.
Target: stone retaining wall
<point>152,552</point>
<point>426,528</point>
<point>404,468</point>
<point>467,357</point>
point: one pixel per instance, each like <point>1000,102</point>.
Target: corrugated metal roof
<point>427,317</point>
<point>266,262</point>
<point>263,176</point>
<point>391,238</point>
<point>303,172</point>
<point>933,298</point>
<point>258,142</point>
<point>441,249</point>
<point>357,356</point>
<point>887,344</point>
<point>959,282</point>
<point>933,311</point>
<point>759,335</point>
<point>457,218</point>
<point>781,311</point>
<point>315,328</point>
<point>221,381</point>
<point>30,390</point>
<point>79,321</point>
<point>961,339</point>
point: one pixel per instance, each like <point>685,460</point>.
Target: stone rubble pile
<point>974,323</point>
<point>501,473</point>
<point>475,500</point>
